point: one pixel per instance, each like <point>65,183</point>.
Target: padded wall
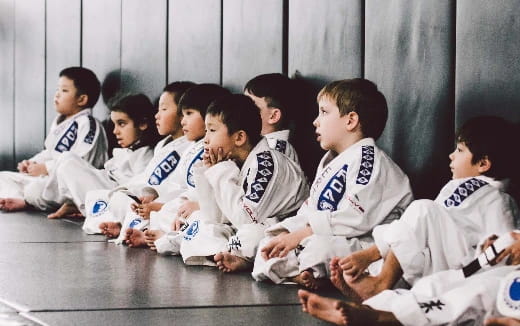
<point>252,41</point>
<point>7,82</point>
<point>63,46</point>
<point>409,55</point>
<point>194,30</point>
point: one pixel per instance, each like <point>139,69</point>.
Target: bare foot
<point>307,280</point>
<point>135,238</point>
<point>150,236</point>
<point>336,277</point>
<point>366,286</point>
<point>110,229</point>
<point>341,312</point>
<point>227,262</point>
<point>66,210</point>
<point>12,204</point>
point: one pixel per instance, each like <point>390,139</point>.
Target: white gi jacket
<point>279,140</point>
<point>81,134</point>
<point>268,187</point>
<point>352,193</point>
<point>443,234</point>
<point>110,205</point>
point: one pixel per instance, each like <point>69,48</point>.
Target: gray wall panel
<point>194,46</point>
<point>29,67</point>
<point>409,54</point>
<point>325,39</point>
<point>488,65</point>
<point>63,40</point>
<point>143,48</point>
<point>252,40</point>
<point>7,84</point>
<point>101,50</point>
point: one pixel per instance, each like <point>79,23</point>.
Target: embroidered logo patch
<point>429,306</point>
<point>281,146</point>
<point>234,243</point>
<point>191,231</point>
<point>89,138</point>
<point>164,169</point>
<point>463,191</point>
<point>68,139</point>
<point>135,222</point>
<point>333,191</point>
<point>189,174</point>
<point>264,174</point>
<point>366,166</point>
<point>99,207</point>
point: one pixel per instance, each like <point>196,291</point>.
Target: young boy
<point>357,186</point>
<point>178,194</point>
<point>444,298</point>
<point>244,187</point>
<point>437,235</point>
<point>272,95</point>
<point>74,130</point>
<point>105,209</point>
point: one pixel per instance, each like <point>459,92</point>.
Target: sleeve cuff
<point>378,235</point>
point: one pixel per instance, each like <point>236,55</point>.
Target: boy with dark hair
<point>272,94</point>
<point>74,130</point>
<point>357,186</point>
<point>437,235</point>
<point>177,196</point>
<point>244,186</point>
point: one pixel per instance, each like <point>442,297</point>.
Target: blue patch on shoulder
<point>264,174</point>
<point>164,169</point>
<point>463,191</point>
<point>68,139</point>
<point>89,138</point>
<point>334,190</point>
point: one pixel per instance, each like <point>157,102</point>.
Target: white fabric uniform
<point>237,205</point>
<point>75,177</point>
<point>438,235</point>
<point>111,205</point>
<point>445,298</point>
<point>81,134</point>
<point>351,194</point>
<point>181,184</point>
<point>279,140</point>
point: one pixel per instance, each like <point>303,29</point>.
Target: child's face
<point>192,124</point>
<point>66,98</point>
<point>217,136</point>
<point>125,130</point>
<point>166,119</point>
<point>330,127</point>
<point>461,166</point>
<point>265,112</point>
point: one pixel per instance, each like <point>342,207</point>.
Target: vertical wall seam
<point>167,39</point>
<point>81,33</point>
<point>363,37</point>
<point>221,41</point>
<point>285,37</point>
<point>120,43</point>
<point>454,65</point>
<point>13,161</point>
<point>45,70</point>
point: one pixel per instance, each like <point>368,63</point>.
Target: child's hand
<point>281,245</point>
<point>489,241</point>
<point>147,199</point>
<point>187,208</point>
<point>178,223</point>
<point>502,321</point>
<point>356,263</point>
<point>37,169</point>
<point>22,166</point>
<point>211,158</point>
<point>512,252</point>
<point>144,210</point>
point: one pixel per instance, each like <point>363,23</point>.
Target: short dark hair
<point>177,89</point>
<point>277,90</point>
<point>489,137</point>
<point>238,112</point>
<point>199,97</point>
<point>85,81</point>
<point>140,110</point>
<point>361,96</point>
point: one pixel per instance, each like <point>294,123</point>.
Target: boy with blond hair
<point>74,130</point>
<point>357,186</point>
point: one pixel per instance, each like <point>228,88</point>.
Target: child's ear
<point>82,100</point>
<point>352,121</point>
<point>275,116</point>
<point>240,138</point>
<point>484,165</point>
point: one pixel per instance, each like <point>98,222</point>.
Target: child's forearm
<point>303,233</point>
